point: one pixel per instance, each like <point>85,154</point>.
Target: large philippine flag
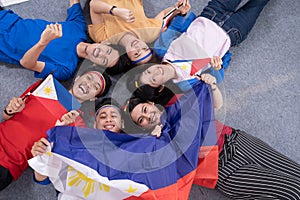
<point>45,102</point>
<point>93,164</point>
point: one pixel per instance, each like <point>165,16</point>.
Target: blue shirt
<point>18,35</point>
<point>177,26</point>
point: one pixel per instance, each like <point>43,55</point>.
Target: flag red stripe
<point>177,191</point>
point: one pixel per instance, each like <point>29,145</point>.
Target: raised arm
<point>15,105</point>
<point>30,58</point>
<point>217,95</point>
<point>183,9</point>
<point>98,7</point>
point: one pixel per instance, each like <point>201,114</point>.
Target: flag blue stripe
<point>156,162</point>
<point>65,97</point>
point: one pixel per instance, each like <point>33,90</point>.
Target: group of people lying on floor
<point>189,55</point>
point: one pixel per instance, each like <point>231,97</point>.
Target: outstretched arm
<point>30,58</point>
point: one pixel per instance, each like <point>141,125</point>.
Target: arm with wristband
<point>98,7</point>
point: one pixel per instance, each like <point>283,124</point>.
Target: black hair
<point>159,95</point>
<point>154,58</point>
<point>123,65</point>
<point>130,125</point>
<point>109,101</point>
<point>133,102</point>
<point>133,76</point>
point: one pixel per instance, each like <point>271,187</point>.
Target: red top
<point>221,131</point>
<point>18,134</point>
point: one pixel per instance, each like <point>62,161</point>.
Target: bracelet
<point>110,11</point>
<point>8,114</point>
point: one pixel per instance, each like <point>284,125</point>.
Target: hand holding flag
<point>15,105</point>
<point>169,16</point>
<point>216,62</point>
<point>94,164</point>
<point>67,118</point>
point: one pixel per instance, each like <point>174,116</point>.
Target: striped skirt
<point>251,169</point>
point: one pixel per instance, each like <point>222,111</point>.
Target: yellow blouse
<point>113,28</point>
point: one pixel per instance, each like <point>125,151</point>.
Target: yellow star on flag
<point>131,189</point>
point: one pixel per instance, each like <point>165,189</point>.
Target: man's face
<point>102,54</point>
<point>109,118</point>
<point>137,50</point>
<point>87,86</point>
<point>146,115</point>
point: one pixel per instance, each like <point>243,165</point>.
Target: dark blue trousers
<point>237,22</point>
<point>5,178</point>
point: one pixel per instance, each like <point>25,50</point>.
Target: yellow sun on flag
<point>131,189</point>
<point>49,153</point>
<point>48,90</point>
<point>89,184</point>
<point>184,67</point>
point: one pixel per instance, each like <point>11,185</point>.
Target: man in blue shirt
<point>46,47</point>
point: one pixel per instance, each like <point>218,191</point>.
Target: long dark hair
<point>159,95</point>
<point>123,64</point>
<point>130,125</point>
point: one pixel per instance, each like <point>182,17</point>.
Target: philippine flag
<point>93,164</point>
<point>45,102</point>
<point>193,67</point>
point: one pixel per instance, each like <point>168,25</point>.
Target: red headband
<point>101,77</point>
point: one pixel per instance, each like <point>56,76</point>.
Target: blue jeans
<point>236,23</point>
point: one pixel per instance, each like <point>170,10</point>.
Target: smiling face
<point>146,115</point>
<point>157,75</point>
<point>87,86</point>
<point>138,49</point>
<point>102,54</point>
<point>109,118</point>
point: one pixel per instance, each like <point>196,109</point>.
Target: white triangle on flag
<point>46,89</point>
<point>185,66</point>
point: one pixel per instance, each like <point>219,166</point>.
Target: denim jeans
<point>236,23</point>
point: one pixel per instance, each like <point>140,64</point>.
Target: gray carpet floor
<point>261,87</point>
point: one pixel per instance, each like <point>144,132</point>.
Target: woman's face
<point>157,75</point>
<point>146,115</point>
<point>102,54</point>
<point>138,49</point>
<point>109,118</point>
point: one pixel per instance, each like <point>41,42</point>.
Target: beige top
<point>113,28</point>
